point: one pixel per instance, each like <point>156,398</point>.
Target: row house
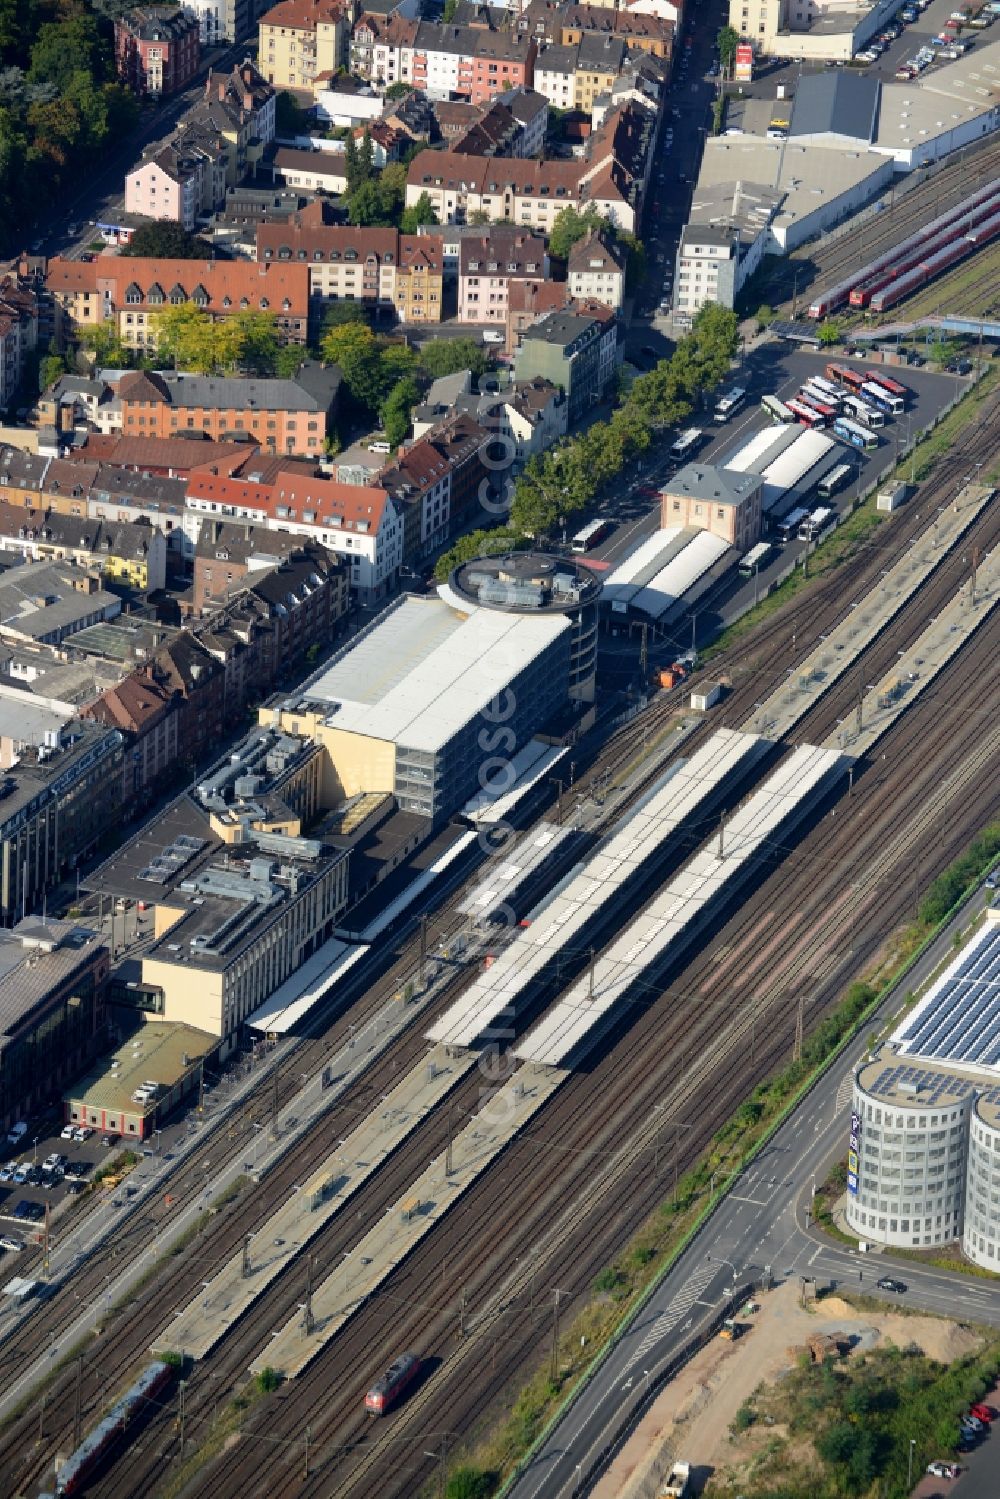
<point>18,334</point>
<point>420,483</point>
<point>528,300</point>
<point>513,125</point>
<point>574,349</point>
<point>289,416</point>
<point>470,62</point>
<point>179,181</point>
<point>551,22</point>
<point>384,270</point>
<point>382,47</point>
<point>226,553</point>
<point>130,553</point>
<point>298,40</point>
<point>577,75</point>
<point>488,263</point>
<point>157,50</point>
<point>148,716</point>
<point>595,270</point>
<point>238,108</point>
<point>360,523</point>
<point>131,291</point>
<point>529,193</point>
<point>311,171</point>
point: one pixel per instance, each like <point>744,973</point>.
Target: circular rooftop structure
<point>526,583</point>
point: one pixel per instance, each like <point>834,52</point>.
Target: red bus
<point>842,374</point>
<point>807,415</point>
<point>826,411</point>
<point>892,386</point>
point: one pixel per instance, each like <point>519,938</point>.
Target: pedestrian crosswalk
<point>845,1092</point>
<point>672,1313</point>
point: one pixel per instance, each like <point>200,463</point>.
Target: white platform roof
<point>505,873</point>
<point>635,570</point>
<point>420,675</point>
<point>563,921</point>
<point>791,466</point>
<point>680,574</point>
<point>762,449</point>
<point>671,920</point>
<point>528,767</point>
<point>296,996</point>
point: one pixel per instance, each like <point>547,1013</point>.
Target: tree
<point>109,351</point>
<point>167,241</point>
<point>186,334</point>
<point>289,116</point>
<point>446,356</point>
<point>636,267</point>
<point>52,366</point>
<point>448,14</point>
<point>339,313</point>
<point>727,41</point>
<point>764,316</point>
<point>396,409</point>
<point>420,212</point>
<point>828,332</point>
<point>398,90</point>
<point>477,544</point>
<point>944,350</point>
<point>571,225</point>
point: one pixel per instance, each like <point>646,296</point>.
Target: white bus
<point>777,410</point>
<point>687,443</point>
<point>727,405</point>
<point>813,391</point>
<point>789,527</point>
<point>590,535</point>
<point>868,416</point>
<point>877,395</point>
<point>755,559</point>
<point>833,393</point>
<point>834,480</point>
<point>856,435</point>
<point>815,524</point>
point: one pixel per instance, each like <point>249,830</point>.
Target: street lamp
<point>909,1464</point>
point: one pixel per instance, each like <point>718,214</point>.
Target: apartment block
<point>301,39</point>
<point>132,291</point>
<point>596,270</point>
<point>157,49</point>
<point>488,264</point>
<point>287,416</point>
<point>382,47</point>
<point>574,350</point>
<point>179,181</point>
<point>381,268</point>
<point>18,334</point>
<point>718,500</point>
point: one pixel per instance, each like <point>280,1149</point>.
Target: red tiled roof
<point>220,279</point>
<point>223,490</point>
<point>419,251</point>
<point>302,15</point>
<point>175,455</point>
<point>358,506</point>
<point>536,296</point>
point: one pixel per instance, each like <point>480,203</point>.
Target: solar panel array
<point>668,925</point>
<point>561,924</point>
<point>959,1020</point>
<point>929,1088</point>
<point>171,860</point>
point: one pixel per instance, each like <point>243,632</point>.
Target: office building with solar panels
<point>924,1153</point>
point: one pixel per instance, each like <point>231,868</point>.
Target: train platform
<point>923,663</point>
<point>411,1218</point>
<point>810,678</point>
<point>197,1328</point>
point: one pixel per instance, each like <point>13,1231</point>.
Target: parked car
<point>943,1470</point>
<point>982,1412</point>
<point>888,1283</point>
<point>7,1241</point>
<point>67,1132</point>
<point>82,1132</point>
<point>21,1174</point>
<point>107,1140</point>
<point>7,1172</point>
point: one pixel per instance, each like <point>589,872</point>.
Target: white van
<point>493,336</point>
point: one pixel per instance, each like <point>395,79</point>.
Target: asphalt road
<point>759,1228</point>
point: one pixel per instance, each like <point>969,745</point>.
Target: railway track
<point>120,1349</point>
<point>603,1184</point>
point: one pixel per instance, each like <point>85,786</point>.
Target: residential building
<point>537,415</point>
<point>476,487</point>
<point>157,49</point>
<point>227,553</point>
<point>132,291</point>
<point>470,62</point>
<point>718,252</point>
<point>718,500</point>
<point>530,110</point>
<point>46,602</point>
<point>575,350</point>
<point>21,476</point>
<point>60,798</point>
<point>361,523</point>
<point>528,301</point>
<point>299,39</point>
<point>238,109</point>
<point>130,553</point>
<point>344,101</point>
<point>419,279</point>
<point>148,716</point>
<point>290,416</point>
<point>381,48</point>
<point>121,494</point>
<point>18,334</point>
<point>555,75</point>
<point>54,977</point>
<point>185,669</point>
<point>566,25</point>
<point>420,483</point>
<point>381,268</point>
<point>179,181</point>
<point>596,269</point>
<point>488,264</point>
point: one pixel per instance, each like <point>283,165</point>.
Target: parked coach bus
<point>686,444</point>
<point>789,527</point>
<point>591,535</point>
<point>855,434</point>
<point>777,410</point>
<point>755,559</point>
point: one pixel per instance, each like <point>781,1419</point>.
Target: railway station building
<point>924,1150</point>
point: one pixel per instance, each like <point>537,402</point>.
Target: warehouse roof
<point>807,176</point>
<point>424,672</point>
<point>836,102</point>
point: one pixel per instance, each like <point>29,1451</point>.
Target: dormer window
<point>284,252</point>
<point>155,295</point>
<point>200,296</point>
<point>132,294</point>
<point>264,303</point>
<point>178,295</point>
<point>244,302</point>
<point>301,254</point>
<point>286,305</point>
<point>227,301</point>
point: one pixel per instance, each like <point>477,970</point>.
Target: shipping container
<point>706,697</point>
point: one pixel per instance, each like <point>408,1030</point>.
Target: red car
<point>982,1412</point>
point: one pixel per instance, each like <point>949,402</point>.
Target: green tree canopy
<point>828,332</point>
<point>398,90</point>
<point>420,212</point>
<point>446,356</point>
<point>396,409</point>
<point>167,241</point>
<point>571,225</point>
<point>727,41</point>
